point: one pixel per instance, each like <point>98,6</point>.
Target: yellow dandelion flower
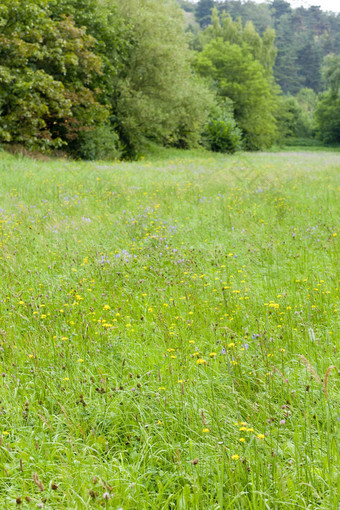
<point>235,457</point>
<point>201,362</point>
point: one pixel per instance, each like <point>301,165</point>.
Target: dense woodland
<point>304,36</point>
<point>104,78</point>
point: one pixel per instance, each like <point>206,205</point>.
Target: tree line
<point>308,48</point>
<point>304,36</point>
<point>103,78</point>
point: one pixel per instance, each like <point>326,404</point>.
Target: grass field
<point>169,333</point>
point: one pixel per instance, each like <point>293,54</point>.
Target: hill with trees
<point>102,79</point>
<point>304,37</point>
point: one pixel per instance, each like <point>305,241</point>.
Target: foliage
<point>327,113</point>
<point>100,143</point>
<point>45,77</point>
<point>186,5</point>
<point>331,73</point>
<point>238,64</point>
<point>327,118</point>
<point>223,135</point>
<point>304,36</point>
<point>74,70</point>
<point>286,114</point>
<point>83,64</point>
<point>157,97</point>
<point>235,32</point>
<point>221,132</point>
<point>203,12</point>
<point>258,14</point>
<point>112,38</point>
<point>307,143</point>
<point>295,115</point>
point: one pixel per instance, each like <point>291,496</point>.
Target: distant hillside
<point>304,36</point>
<point>190,19</point>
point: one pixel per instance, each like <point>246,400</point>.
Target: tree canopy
<point>158,97</point>
<point>103,78</point>
<point>239,64</point>
<point>46,75</point>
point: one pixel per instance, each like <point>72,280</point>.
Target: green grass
<point>152,315</point>
<point>304,145</point>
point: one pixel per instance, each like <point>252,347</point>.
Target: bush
<point>221,133</point>
<point>98,143</point>
<point>327,118</point>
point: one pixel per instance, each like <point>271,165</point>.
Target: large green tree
<point>327,114</point>
<point>112,36</point>
<point>203,12</point>
<point>239,65</point>
<point>331,73</point>
<point>157,96</point>
<point>46,70</point>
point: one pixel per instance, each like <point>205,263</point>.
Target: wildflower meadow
<point>169,333</point>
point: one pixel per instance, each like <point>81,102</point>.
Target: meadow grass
<point>168,331</point>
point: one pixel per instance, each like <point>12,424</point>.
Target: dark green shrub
<point>102,142</point>
<point>221,132</point>
<point>327,118</point>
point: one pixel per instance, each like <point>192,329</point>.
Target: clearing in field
<point>169,333</point>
